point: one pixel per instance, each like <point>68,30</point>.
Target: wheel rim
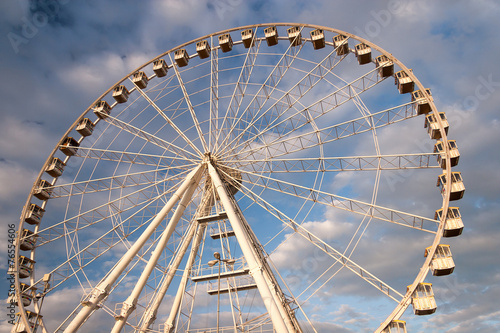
<point>253,110</point>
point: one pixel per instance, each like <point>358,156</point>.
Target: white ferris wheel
<point>258,179</point>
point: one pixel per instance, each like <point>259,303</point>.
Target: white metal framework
<point>295,152</point>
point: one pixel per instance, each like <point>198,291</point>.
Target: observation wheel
<point>267,178</point>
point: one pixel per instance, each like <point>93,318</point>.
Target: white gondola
<point>121,93</point>
<point>457,185</point>
<point>363,53</point>
<point>442,261</point>
<point>85,127</point>
<point>385,66</point>
<point>271,34</point>
<point>340,43</point>
<point>69,147</point>
<point>181,57</point>
<point>318,39</point>
<point>203,49</point>
<point>225,42</point>
<point>294,36</point>
<point>26,266</point>
<point>43,190</point>
<point>423,299</point>
<point>396,326</point>
<point>247,38</point>
<point>28,240</point>
<point>34,214</point>
<point>422,105</point>
<point>55,168</point>
<point>453,225</point>
<point>27,295</point>
<point>404,82</point>
<point>160,67</point>
<point>34,321</point>
<point>453,150</point>
<point>140,79</point>
<point>433,127</point>
<point>102,109</point>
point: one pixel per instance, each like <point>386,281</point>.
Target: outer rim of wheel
<point>405,302</point>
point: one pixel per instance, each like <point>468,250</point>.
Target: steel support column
<point>100,292</point>
<point>130,303</point>
<point>150,314</point>
<point>256,267</point>
<point>169,324</point>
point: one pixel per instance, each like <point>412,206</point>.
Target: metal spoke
<point>305,115</point>
<point>267,88</point>
<point>286,145</point>
<point>191,109</point>
<point>326,248</point>
<point>108,183</point>
<point>130,157</point>
<point>149,137</point>
<point>85,256</point>
<point>290,98</point>
<point>214,97</point>
<point>240,87</point>
<point>170,122</point>
<point>348,163</point>
<point>199,152</point>
<point>100,213</point>
<point>351,205</point>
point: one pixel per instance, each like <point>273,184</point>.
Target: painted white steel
<point>130,304</point>
<point>256,267</point>
<point>150,314</point>
<point>100,292</point>
<point>169,324</point>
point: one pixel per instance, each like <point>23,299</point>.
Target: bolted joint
<point>128,306</point>
<point>150,318</point>
<point>169,328</point>
<point>254,270</point>
<point>97,295</point>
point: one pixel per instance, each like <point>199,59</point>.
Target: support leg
<point>150,314</point>
<point>100,292</point>
<point>130,303</point>
<point>169,324</point>
<point>249,251</point>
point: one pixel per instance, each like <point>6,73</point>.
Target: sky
<point>57,57</point>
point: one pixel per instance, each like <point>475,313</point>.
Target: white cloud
<point>450,45</point>
<point>16,181</point>
<point>16,134</point>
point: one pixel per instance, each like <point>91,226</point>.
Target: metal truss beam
<point>336,164</point>
<point>326,248</point>
<point>354,206</point>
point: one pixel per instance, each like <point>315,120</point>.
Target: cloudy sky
<point>57,57</point>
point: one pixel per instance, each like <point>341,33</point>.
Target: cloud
<point>13,13</point>
<point>84,48</point>
<point>480,317</point>
<point>27,134</point>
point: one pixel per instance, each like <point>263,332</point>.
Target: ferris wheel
<point>259,179</point>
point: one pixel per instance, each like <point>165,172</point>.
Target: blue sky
<point>57,57</point>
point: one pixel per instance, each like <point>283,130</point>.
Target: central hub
<point>209,158</point>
